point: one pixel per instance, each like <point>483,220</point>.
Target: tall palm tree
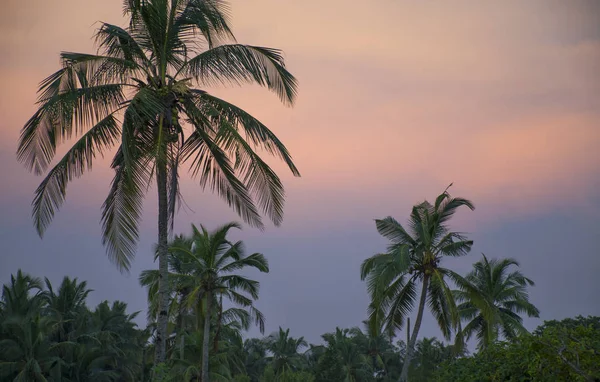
<point>492,299</point>
<point>143,95</point>
<point>209,261</point>
<point>414,256</point>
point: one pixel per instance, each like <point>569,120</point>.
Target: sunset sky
<point>397,99</point>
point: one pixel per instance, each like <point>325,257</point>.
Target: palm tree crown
<point>285,351</point>
<point>138,95</point>
<point>203,273</point>
<point>491,301</point>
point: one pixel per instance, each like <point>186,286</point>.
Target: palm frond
<point>208,17</point>
<point>117,42</point>
<point>441,304</point>
<point>255,260</point>
<point>259,135</point>
<point>63,104</point>
<point>392,230</point>
<point>121,211</point>
<point>214,169</point>
<point>237,64</point>
<point>402,304</point>
<point>93,70</point>
<point>51,192</point>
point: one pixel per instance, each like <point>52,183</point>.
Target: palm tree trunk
<point>218,331</point>
<point>206,339</point>
<point>163,271</point>
<point>410,347</point>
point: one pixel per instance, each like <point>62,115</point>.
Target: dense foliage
<point>52,335</point>
<point>48,335</point>
<point>567,350</point>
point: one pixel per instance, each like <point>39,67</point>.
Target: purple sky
<point>397,100</point>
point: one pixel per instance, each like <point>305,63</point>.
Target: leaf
<point>237,64</point>
<point>51,192</point>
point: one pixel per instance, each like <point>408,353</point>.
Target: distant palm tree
<point>414,256</point>
<point>65,307</point>
<point>285,351</point>
<point>354,362</point>
<point>492,300</point>
<point>110,345</point>
<point>26,353</point>
<point>143,95</point>
<point>429,354</point>
<point>208,262</point>
<point>17,297</point>
<point>255,350</point>
<point>375,344</point>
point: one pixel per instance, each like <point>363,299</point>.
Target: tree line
<point>51,335</point>
<point>142,98</point>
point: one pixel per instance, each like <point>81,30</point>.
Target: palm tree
<point>27,354</point>
<point>414,256</point>
<point>17,299</point>
<point>109,345</point>
<point>429,354</point>
<point>354,362</point>
<point>491,300</point>
<point>376,345</point>
<point>208,261</point>
<point>65,307</point>
<point>285,351</point>
<point>255,350</point>
<point>25,351</point>
<point>142,94</point>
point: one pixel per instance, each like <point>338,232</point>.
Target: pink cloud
<point>396,100</point>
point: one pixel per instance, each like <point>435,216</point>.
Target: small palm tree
<point>208,262</point>
<point>285,351</point>
<point>414,256</point>
<point>354,362</point>
<point>64,307</point>
<point>143,95</point>
<point>492,298</point>
<point>255,351</point>
<point>25,350</point>
<point>17,298</point>
<point>375,344</point>
<point>429,354</point>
